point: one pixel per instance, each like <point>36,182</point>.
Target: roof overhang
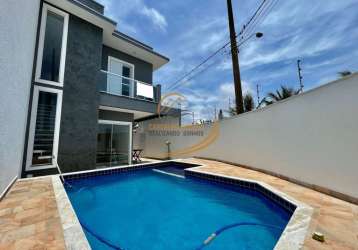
<point>111,37</point>
<point>78,9</point>
<point>136,114</point>
<point>134,48</point>
<point>84,12</point>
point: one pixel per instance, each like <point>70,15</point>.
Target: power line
<point>209,65</point>
<point>241,33</point>
<point>263,14</point>
<point>252,17</point>
<point>200,64</point>
<point>203,70</point>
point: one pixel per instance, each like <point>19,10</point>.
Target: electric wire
<point>215,53</point>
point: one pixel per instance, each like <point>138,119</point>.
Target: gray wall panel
<point>127,103</point>
<point>115,116</point>
<point>78,132</point>
<point>143,71</point>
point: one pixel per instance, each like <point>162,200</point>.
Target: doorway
<point>120,79</point>
<point>114,143</point>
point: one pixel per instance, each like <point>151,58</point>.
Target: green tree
<point>249,103</point>
<point>344,73</point>
<point>280,94</point>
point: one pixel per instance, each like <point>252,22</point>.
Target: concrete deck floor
<point>29,218</point>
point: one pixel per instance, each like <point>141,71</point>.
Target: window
<point>44,128</point>
<point>50,66</point>
<point>120,79</point>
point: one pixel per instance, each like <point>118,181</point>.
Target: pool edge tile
<point>74,236</point>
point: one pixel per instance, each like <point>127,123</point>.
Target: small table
<point>136,155</point>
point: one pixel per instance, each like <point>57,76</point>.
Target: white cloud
<point>120,10</point>
<point>203,103</point>
<point>228,89</point>
<point>294,31</point>
<point>156,17</point>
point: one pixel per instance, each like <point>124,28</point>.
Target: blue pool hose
<point>227,227</point>
<point>101,239</point>
<point>98,237</point>
<point>204,244</point>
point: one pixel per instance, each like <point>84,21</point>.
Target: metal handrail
<point>124,77</point>
<point>58,169</point>
<point>131,85</point>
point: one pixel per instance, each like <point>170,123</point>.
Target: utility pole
<point>215,113</point>
<point>235,60</point>
<point>258,95</point>
<point>299,74</point>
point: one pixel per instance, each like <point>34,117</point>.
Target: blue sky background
<point>322,33</point>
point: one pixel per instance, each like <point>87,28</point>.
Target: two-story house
<point>90,83</point>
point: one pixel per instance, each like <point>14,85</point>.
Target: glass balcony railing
<point>115,84</point>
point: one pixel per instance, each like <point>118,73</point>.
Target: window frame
<point>30,145</point>
<point>123,123</point>
<point>124,63</point>
<point>45,9</point>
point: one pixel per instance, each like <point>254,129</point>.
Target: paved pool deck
<point>29,217</point>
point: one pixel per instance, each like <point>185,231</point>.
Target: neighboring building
<point>89,84</point>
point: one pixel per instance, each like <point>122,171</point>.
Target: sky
<point>323,34</point>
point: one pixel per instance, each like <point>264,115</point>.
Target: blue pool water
<point>149,210</point>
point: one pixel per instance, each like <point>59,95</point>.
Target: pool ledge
<point>292,237</point>
<point>295,232</point>
<point>73,234</point>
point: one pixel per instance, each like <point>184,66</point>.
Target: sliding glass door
<point>114,143</point>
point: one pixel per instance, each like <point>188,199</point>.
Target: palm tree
<point>283,93</point>
<point>249,103</point>
<point>344,73</point>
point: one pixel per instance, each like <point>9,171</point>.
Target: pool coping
<point>73,233</point>
<point>292,237</point>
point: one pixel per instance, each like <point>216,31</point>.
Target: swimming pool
<point>148,209</point>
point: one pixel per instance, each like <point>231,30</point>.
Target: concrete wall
<point>79,118</point>
<point>17,44</point>
<point>312,138</point>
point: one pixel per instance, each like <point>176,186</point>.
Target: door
<point>114,143</point>
<point>120,77</point>
<point>44,128</point>
<point>121,149</point>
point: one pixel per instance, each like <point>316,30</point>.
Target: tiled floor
<point>29,217</point>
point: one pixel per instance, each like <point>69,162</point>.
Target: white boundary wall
<point>18,23</point>
<point>312,137</point>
